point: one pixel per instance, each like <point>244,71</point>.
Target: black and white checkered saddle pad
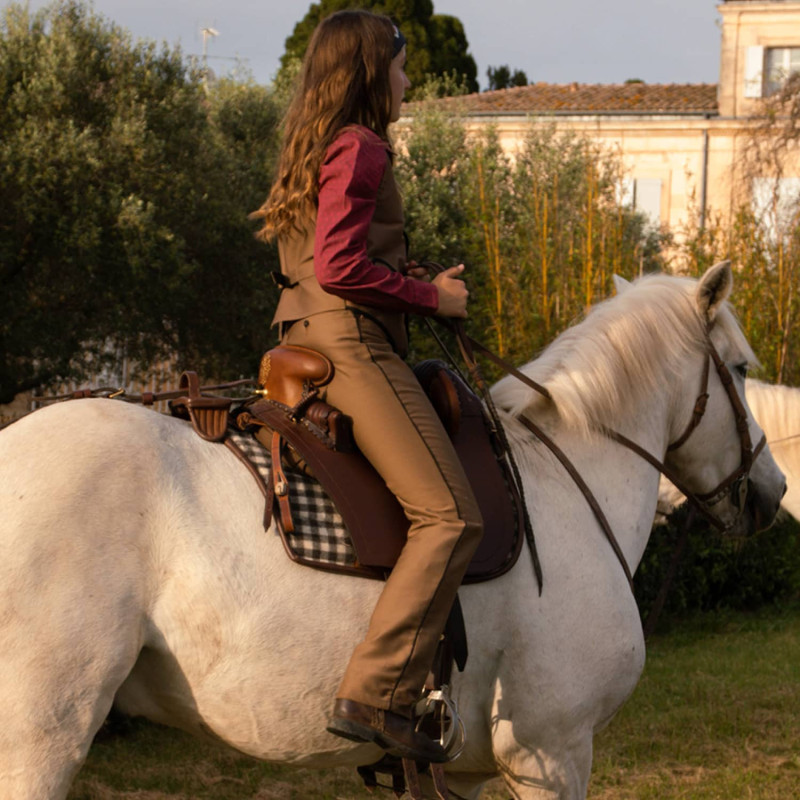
<point>320,535</point>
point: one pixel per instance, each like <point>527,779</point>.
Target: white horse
<point>776,408</point>
<point>135,570</point>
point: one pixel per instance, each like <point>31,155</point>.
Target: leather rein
<point>146,398</point>
<point>736,484</point>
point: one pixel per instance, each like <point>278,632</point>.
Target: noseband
<point>738,481</point>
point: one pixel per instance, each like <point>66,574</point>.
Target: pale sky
<point>658,41</point>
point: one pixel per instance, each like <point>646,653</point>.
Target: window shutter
<point>754,71</point>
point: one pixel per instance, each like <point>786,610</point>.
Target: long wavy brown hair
<point>344,81</point>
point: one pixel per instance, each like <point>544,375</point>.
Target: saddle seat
<point>376,524</point>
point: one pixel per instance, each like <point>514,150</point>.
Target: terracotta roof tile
<point>577,98</point>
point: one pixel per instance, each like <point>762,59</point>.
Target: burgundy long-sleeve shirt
<point>348,187</point>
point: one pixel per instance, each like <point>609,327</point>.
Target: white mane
<point>628,348</point>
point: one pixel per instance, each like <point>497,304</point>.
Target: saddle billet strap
<point>266,490</point>
<point>280,486</point>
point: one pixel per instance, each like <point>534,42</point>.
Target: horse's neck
<point>624,485</point>
<point>648,427</point>
<point>775,407</point>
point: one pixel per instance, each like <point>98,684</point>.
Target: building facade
<point>680,146</point>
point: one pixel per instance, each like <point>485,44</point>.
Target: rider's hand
<point>416,272</point>
<point>453,293</point>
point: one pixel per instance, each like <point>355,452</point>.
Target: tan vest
<point>303,296</point>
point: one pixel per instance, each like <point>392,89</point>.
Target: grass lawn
<point>716,716</point>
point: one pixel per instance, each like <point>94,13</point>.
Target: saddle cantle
<point>374,519</point>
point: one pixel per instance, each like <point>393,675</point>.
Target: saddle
<point>302,432</point>
<point>291,416</point>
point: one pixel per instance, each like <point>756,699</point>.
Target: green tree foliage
<point>437,44</point>
<point>541,234</point>
<point>123,204</point>
<point>719,572</point>
<point>765,263</point>
<point>503,78</point>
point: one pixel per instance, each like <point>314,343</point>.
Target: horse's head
<point>670,346</point>
<point>716,446</point>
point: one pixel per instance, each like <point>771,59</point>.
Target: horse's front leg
<point>558,770</point>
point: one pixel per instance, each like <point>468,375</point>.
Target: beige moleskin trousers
<point>397,429</point>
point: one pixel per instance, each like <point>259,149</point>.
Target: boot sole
<point>357,732</point>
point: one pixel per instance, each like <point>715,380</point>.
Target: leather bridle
<point>737,483</point>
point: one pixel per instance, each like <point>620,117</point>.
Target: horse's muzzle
<point>762,509</point>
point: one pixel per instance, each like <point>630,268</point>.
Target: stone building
<point>680,145</point>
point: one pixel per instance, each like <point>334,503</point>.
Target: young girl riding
<point>337,215</point>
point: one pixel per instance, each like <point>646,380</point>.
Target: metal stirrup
<point>452,735</point>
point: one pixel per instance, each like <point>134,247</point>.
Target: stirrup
<point>443,710</point>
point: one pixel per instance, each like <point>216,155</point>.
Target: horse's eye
<point>742,369</point>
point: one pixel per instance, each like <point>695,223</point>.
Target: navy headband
<point>398,42</point>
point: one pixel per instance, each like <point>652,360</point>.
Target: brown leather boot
<point>393,732</point>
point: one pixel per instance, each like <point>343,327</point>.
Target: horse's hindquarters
<point>71,590</point>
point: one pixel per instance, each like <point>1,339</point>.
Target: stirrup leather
<point>411,781</point>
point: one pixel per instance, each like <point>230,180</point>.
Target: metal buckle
<point>739,493</point>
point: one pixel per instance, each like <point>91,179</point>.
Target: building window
<point>644,196</point>
<point>780,63</point>
<point>776,205</point>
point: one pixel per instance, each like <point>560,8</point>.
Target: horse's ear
<point>713,289</point>
<point>620,283</point>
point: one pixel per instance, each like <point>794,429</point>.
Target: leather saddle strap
<point>266,489</point>
<point>280,486</point>
<point>465,344</point>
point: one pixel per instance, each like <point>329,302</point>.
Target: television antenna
<point>207,34</point>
